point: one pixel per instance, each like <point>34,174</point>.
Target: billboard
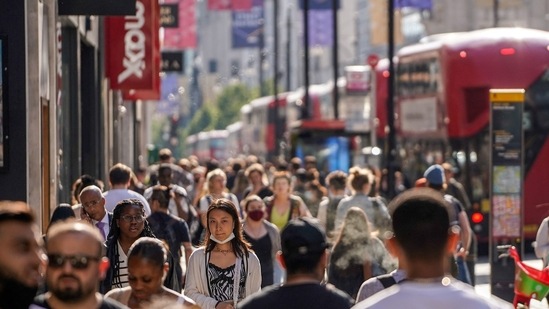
<point>247,27</point>
<point>235,5</point>
<point>319,4</point>
<point>184,35</point>
<point>321,30</point>
<point>417,4</point>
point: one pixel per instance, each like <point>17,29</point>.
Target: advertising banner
<point>235,5</point>
<point>248,26</point>
<point>183,36</point>
<point>417,4</point>
<point>319,4</point>
<point>321,30</point>
<point>133,49</point>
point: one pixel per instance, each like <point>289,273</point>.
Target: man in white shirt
<point>423,240</point>
<point>94,211</point>
<point>119,180</point>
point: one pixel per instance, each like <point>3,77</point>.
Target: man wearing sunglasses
<point>75,267</point>
<point>20,256</point>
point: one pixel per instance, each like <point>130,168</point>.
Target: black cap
<point>303,237</point>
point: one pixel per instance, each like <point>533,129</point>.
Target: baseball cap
<point>303,237</point>
<point>435,175</point>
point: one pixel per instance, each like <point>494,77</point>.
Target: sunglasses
<point>76,261</point>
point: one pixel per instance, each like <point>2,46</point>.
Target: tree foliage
<point>204,119</point>
<point>223,112</point>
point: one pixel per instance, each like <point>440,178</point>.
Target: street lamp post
<point>391,138</point>
<point>275,79</point>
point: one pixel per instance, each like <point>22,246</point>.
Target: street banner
<point>184,36</point>
<point>247,27</point>
<point>320,4</point>
<point>133,49</point>
<point>234,5</point>
<point>321,30</point>
<point>417,4</point>
<point>169,95</point>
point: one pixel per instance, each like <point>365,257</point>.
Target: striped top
<point>121,280</point>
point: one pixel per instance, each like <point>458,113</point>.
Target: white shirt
<point>420,295</point>
<point>112,197</point>
<point>542,241</point>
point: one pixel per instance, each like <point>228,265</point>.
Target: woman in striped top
<point>128,225</point>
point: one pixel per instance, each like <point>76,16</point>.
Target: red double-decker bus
<point>442,110</point>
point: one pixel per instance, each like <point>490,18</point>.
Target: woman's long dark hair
<point>113,272</point>
<point>240,246</point>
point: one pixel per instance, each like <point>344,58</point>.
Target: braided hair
<point>112,277</point>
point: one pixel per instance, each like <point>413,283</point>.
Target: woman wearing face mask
<point>262,235</point>
<point>224,270</point>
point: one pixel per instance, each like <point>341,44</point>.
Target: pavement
<point>482,275</point>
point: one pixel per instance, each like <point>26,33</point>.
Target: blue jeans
<point>462,270</point>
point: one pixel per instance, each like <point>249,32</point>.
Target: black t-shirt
<point>299,296</point>
<point>263,249</point>
<point>106,303</point>
<point>171,229</point>
<point>263,193</point>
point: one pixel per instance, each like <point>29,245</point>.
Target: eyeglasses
<point>76,261</point>
<point>129,218</point>
<point>90,204</point>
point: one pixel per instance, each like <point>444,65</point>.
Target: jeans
<point>462,270</point>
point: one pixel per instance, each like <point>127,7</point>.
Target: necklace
<point>223,251</point>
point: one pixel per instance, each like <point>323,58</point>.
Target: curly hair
<point>113,273</point>
<point>240,246</point>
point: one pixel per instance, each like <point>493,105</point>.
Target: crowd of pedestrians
<point>242,235</point>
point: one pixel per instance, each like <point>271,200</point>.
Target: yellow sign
<point>507,95</point>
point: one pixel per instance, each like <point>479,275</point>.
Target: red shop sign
<point>132,48</point>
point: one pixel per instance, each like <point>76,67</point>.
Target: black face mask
<point>14,294</point>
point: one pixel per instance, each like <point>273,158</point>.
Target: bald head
<point>76,228</point>
<point>93,202</point>
<point>91,190</point>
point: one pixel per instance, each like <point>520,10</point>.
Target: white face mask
<point>231,237</point>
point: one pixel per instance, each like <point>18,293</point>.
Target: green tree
<point>205,119</point>
<point>229,103</point>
